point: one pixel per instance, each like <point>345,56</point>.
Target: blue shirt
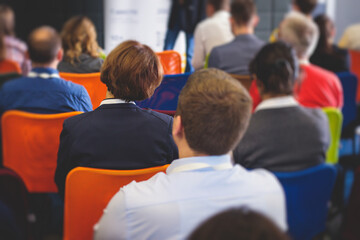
<point>43,91</point>
<point>172,205</point>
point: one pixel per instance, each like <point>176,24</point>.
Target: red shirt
<point>319,88</point>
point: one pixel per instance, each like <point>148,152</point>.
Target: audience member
<point>305,7</point>
<point>319,87</point>
<point>238,224</point>
<point>184,16</point>
<point>327,55</point>
<point>212,115</point>
<point>234,57</point>
<point>292,137</point>
<point>43,91</point>
<point>351,38</point>
<point>81,50</point>
<point>15,49</point>
<point>212,32</point>
<point>118,134</point>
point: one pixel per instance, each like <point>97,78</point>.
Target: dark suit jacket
<point>115,136</point>
<point>187,15</point>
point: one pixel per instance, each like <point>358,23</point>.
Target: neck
<point>109,94</point>
<point>185,151</point>
<point>245,29</point>
<point>52,65</point>
<point>267,96</point>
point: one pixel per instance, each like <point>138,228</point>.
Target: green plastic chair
<point>335,122</point>
<point>206,65</point>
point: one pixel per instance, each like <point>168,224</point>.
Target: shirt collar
<point>304,62</point>
<point>44,73</point>
<point>221,14</point>
<point>216,163</point>
<point>114,101</point>
<point>278,102</point>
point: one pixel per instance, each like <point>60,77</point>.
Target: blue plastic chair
<point>307,194</point>
<point>349,84</point>
<point>166,95</point>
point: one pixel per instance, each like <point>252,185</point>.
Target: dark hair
<point>43,44</point>
<point>275,65</point>
<point>132,71</point>
<point>7,19</point>
<point>238,223</point>
<point>218,4</point>
<point>306,6</point>
<point>326,26</point>
<point>2,42</point>
<point>215,110</point>
<point>242,11</point>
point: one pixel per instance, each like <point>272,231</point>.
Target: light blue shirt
<point>172,205</point>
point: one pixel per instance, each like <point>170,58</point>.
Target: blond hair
<point>79,36</point>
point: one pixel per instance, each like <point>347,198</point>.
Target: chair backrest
<point>335,122</point>
<point>30,145</point>
<point>349,84</point>
<point>245,80</point>
<point>87,193</point>
<point>13,194</point>
<point>92,83</point>
<point>166,95</point>
<point>355,68</point>
<point>307,194</point>
<point>171,61</point>
<point>8,66</point>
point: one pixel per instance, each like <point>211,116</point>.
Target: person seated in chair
<point>43,91</point>
<point>212,114</point>
<point>118,134</point>
<point>282,135</point>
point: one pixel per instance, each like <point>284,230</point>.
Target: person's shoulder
<point>72,87</point>
<point>319,72</point>
<point>14,83</point>
<point>156,116</point>
<point>16,43</point>
<point>77,120</point>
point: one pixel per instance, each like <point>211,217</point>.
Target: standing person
<point>212,32</point>
<point>118,134</point>
<point>235,56</point>
<point>43,91</point>
<point>327,55</point>
<point>212,115</point>
<point>81,50</point>
<point>184,16</point>
<point>15,49</point>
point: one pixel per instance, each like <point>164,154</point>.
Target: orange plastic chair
<point>171,61</point>
<point>355,68</point>
<point>89,190</point>
<point>8,66</point>
<point>30,146</point>
<point>91,82</point>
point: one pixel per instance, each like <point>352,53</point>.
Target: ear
<point>255,20</point>
<point>178,128</point>
<point>60,54</point>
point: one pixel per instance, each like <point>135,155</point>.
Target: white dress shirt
<point>172,205</point>
<point>209,33</point>
<point>277,102</point>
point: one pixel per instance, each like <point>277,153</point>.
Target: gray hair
<point>300,32</point>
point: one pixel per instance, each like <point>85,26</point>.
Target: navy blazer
<point>115,136</point>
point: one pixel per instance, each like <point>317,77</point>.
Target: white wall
<point>347,12</point>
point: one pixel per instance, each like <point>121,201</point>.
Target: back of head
<point>219,4</point>
<point>132,71</point>
<point>238,223</point>
<point>7,20</point>
<point>326,30</point>
<point>79,36</point>
<point>300,32</point>
<point>43,45</point>
<point>305,6</point>
<point>276,67</point>
<point>242,11</point>
<point>214,110</point>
